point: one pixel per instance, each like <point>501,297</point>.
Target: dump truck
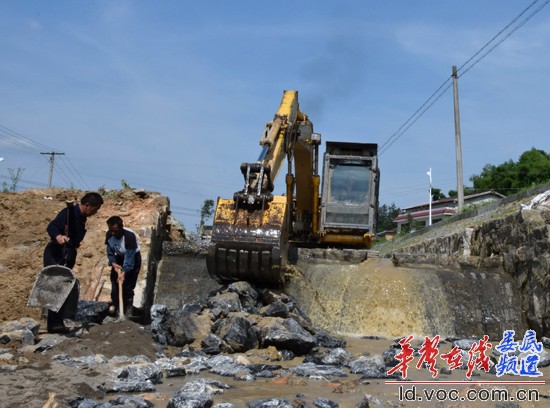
<point>253,231</point>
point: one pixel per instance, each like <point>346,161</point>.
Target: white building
<point>443,208</point>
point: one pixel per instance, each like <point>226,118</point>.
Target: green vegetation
<point>386,214</point>
<point>207,210</point>
<point>532,169</point>
<point>125,185</point>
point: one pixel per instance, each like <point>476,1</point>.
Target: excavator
<point>253,231</point>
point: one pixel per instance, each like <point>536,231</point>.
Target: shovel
<point>121,316</point>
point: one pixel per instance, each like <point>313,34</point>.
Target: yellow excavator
<point>251,233</point>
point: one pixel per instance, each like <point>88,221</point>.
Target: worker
<point>66,231</point>
<point>123,252</point>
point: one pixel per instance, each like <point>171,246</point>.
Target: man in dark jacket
<point>123,252</point>
<point>66,231</point>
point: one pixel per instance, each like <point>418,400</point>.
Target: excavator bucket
<point>249,244</point>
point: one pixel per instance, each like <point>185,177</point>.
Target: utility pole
<point>429,173</point>
<point>52,160</point>
<point>458,143</point>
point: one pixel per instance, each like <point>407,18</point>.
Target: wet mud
<point>375,297</point>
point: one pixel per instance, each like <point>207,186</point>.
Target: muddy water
<point>371,298</point>
<point>377,298</point>
<point>349,391</point>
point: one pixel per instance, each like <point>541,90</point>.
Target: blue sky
<point>172,96</point>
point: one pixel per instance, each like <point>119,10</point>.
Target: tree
<point>386,214</point>
<point>437,194</point>
<point>532,168</point>
<point>467,191</point>
<point>207,210</point>
<point>15,176</point>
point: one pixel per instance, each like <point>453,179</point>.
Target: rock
<point>370,367</point>
<point>318,371</point>
<point>131,402</point>
<point>325,403</point>
<point>228,302</point>
<point>205,386</point>
<point>275,309</point>
<point>183,327</point>
<point>212,344</point>
<point>248,295</point>
<point>324,339</point>
<point>370,401</point>
<point>91,312</point>
<point>336,357</point>
<point>270,403</point>
<point>23,330</point>
<point>184,399</point>
<point>174,367</point>
<point>129,386</point>
<point>285,334</point>
<point>238,332</point>
<point>25,323</point>
<point>140,372</point>
<point>544,359</point>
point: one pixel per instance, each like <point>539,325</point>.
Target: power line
<point>447,83</point>
<point>75,171</point>
<point>20,140</point>
<point>521,24</point>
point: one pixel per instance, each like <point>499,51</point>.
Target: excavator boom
<point>251,232</point>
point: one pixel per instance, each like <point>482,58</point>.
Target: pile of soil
<point>24,217</point>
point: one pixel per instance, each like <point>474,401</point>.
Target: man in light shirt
<point>123,252</point>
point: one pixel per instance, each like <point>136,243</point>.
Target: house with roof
<point>442,209</point>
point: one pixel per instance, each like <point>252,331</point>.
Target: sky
<point>172,96</point>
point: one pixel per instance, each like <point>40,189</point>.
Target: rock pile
<point>238,318</point>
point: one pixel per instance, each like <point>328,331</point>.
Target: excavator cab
<point>349,198</point>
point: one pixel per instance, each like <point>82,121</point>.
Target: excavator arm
<point>250,232</point>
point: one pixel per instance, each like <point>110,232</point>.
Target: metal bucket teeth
<point>246,245</point>
<point>261,265</point>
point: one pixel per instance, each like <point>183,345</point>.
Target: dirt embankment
<point>23,220</point>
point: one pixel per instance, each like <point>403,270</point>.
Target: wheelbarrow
<point>52,288</point>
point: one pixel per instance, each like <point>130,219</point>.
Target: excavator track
<point>248,244</point>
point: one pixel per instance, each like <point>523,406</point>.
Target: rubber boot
<point>128,307</point>
<point>56,324</point>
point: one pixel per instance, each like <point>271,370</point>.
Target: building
<point>442,209</point>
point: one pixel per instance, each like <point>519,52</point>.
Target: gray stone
<point>205,386</point>
<point>129,386</point>
<point>275,309</point>
<point>91,312</point>
<point>140,372</point>
<point>318,371</point>
<point>184,399</point>
<point>238,332</point>
<point>286,334</point>
<point>270,403</point>
<point>324,403</point>
<point>228,302</point>
<point>181,327</point>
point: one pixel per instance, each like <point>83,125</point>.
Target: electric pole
<point>52,160</point>
<point>458,143</point>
